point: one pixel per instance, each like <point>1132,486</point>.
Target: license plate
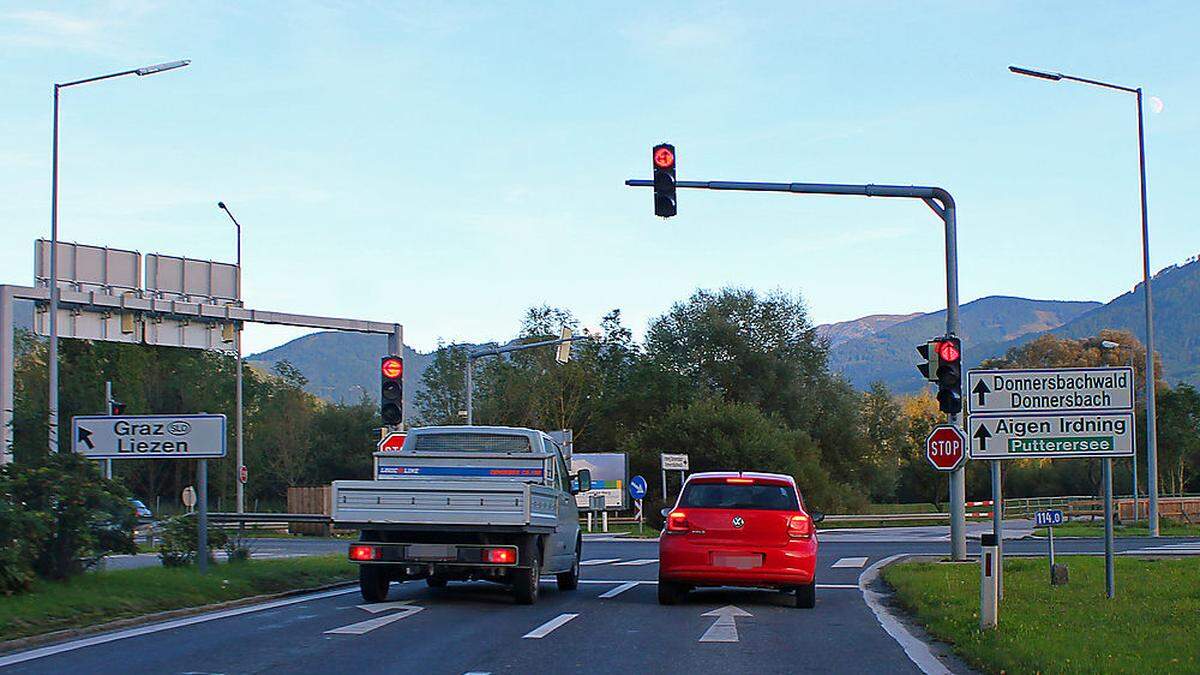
<point>431,552</point>
<point>741,562</point>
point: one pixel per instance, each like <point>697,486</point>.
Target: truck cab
<point>466,503</point>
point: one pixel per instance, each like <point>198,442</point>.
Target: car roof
<point>741,474</point>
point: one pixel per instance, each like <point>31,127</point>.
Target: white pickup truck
<point>456,503</point>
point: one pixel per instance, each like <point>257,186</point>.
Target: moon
<point>1156,104</point>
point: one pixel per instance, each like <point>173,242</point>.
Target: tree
<point>918,481</point>
<point>883,426</point>
<point>443,393</point>
<point>1178,435</point>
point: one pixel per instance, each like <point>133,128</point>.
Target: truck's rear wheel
<point>569,580</point>
<point>525,581</point>
<point>373,582</point>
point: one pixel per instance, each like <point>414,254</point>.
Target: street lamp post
<point>237,346</point>
<point>52,417</point>
<point>1151,423</point>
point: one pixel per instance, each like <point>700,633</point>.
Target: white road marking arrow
<point>369,625</point>
<point>724,629</point>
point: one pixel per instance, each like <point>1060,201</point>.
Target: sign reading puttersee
<point>1050,412</point>
<point>1049,390</point>
<point>149,436</point>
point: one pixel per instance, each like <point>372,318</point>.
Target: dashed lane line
<point>619,589</point>
<point>854,563</point>
<point>643,561</point>
<point>604,561</point>
<point>549,627</point>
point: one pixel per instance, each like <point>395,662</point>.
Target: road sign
<point>1092,434</point>
<point>1048,518</point>
<point>674,462</point>
<point>243,474</point>
<point>189,496</point>
<point>946,447</point>
<point>637,487</point>
<point>149,436</point>
<point>610,478</point>
<point>392,442</point>
<point>1050,390</point>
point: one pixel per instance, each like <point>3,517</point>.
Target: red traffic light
<point>947,352</point>
<point>392,368</point>
<point>664,158</point>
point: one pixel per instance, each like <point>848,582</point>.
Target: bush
<point>180,539</point>
<point>18,530</point>
<point>62,515</point>
<point>238,548</point>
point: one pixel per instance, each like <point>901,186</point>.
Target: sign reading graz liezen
<point>1050,390</point>
<point>149,436</point>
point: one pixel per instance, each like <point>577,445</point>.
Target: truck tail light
<point>800,527</point>
<point>501,556</point>
<point>359,552</point>
<point>677,522</point>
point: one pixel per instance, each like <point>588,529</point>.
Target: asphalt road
<point>612,624</point>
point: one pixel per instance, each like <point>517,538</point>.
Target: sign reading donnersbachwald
<point>1049,390</point>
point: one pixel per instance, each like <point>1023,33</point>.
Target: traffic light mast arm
<point>936,198</point>
<point>520,348</point>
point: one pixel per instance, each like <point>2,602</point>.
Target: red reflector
<point>740,481</point>
<point>364,553</point>
<point>501,556</point>
<point>392,368</point>
<point>947,352</point>
<point>664,158</point>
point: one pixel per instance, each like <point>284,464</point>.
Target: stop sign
<point>392,442</point>
<point>946,447</point>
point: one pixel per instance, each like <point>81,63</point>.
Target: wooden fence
<point>317,500</point>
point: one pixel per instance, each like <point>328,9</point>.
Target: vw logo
<point>738,522</point>
<point>179,428</point>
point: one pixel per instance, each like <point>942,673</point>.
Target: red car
<point>739,529</point>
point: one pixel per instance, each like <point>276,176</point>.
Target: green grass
<point>627,529</point>
<point>1149,627</point>
<point>98,597</point>
<point>1166,528</point>
<point>920,507</point>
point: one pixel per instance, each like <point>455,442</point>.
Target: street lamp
<point>237,346</point>
<point>53,356</point>
<point>1110,345</point>
<point>1151,423</point>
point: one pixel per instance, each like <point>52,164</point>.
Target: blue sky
<point>448,165</point>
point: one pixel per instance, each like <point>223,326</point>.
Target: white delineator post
<point>989,587</point>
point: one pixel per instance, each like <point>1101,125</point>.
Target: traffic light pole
<point>468,374</point>
<point>942,203</point>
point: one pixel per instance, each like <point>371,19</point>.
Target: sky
<point>448,165</point>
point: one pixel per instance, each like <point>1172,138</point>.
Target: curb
<point>927,654</point>
<point>44,639</point>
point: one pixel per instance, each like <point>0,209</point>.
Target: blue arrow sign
<point>637,487</point>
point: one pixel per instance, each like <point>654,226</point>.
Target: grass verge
<point>1149,627</point>
<point>629,530</point>
<point>100,597</point>
<point>1166,528</point>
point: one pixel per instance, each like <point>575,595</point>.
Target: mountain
<point>1176,320</point>
<point>845,331</point>
<point>987,327</point>
<point>343,366</point>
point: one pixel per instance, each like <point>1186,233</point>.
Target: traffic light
<point>949,375</point>
<point>928,351</point>
<point>664,180</point>
<point>391,390</point>
<point>563,354</point>
<point>116,408</point>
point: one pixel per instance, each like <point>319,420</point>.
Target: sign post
<point>198,437</point>
<point>1053,413</point>
<point>1048,519</point>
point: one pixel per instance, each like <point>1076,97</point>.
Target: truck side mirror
<point>583,481</point>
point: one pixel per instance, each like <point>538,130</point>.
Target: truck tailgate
<point>452,502</point>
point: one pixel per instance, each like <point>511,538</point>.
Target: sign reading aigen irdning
<point>149,436</point>
<point>1050,390</point>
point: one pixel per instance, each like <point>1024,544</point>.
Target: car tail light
<point>800,527</point>
<point>501,556</point>
<point>677,522</point>
<point>740,481</point>
<point>364,553</point>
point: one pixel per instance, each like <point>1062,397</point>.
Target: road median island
<point>1149,627</point>
<point>58,609</point>
<point>1167,528</point>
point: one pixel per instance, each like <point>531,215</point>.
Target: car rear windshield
<point>451,442</point>
<point>765,496</point>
